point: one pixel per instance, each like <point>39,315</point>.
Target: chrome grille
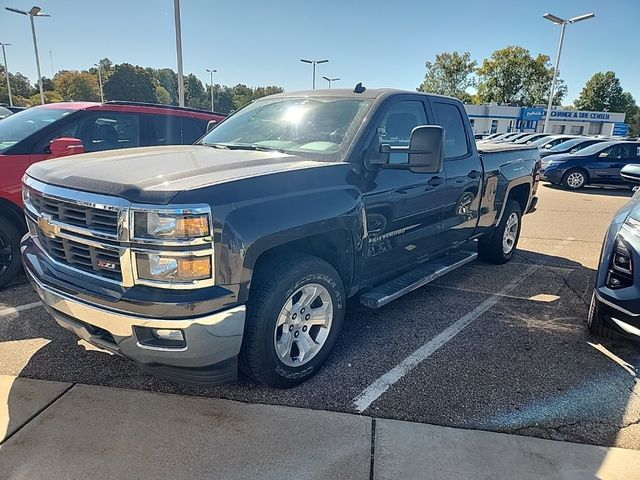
<point>95,219</point>
<point>97,260</point>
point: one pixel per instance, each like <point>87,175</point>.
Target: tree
<point>603,93</point>
<point>78,86</point>
<point>513,76</point>
<point>260,92</point>
<point>168,79</point>
<point>194,93</point>
<point>129,82</point>
<point>450,74</point>
<point>162,95</point>
<point>224,99</point>
<point>49,97</point>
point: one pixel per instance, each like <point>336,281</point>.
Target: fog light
<point>165,334</point>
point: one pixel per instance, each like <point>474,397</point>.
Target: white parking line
<point>383,383</point>
<point>10,310</point>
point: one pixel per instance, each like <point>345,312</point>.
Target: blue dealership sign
<point>621,128</point>
<point>532,114</point>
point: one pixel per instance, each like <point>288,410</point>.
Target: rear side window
<point>164,130</point>
<point>192,129</point>
<point>455,133</point>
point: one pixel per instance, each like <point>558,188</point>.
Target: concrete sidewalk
<point>59,431</point>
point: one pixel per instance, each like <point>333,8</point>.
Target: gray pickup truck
<point>244,248</point>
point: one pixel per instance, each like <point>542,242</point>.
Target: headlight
<point>169,268</point>
<point>183,224</point>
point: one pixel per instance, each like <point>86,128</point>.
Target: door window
<point>396,126</point>
<point>108,131</point>
<point>455,133</point>
<point>163,130</point>
<point>192,130</point>
<point>622,152</point>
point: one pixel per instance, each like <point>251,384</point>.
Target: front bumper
<point>211,341</point>
<point>623,321</point>
<point>551,174</point>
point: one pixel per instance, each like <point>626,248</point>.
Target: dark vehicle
<point>62,129</point>
<point>615,304</point>
<point>246,247</point>
<point>597,164</point>
<point>570,146</point>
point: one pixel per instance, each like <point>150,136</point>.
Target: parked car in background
<point>532,137</point>
<point>5,112</point>
<point>615,303</point>
<point>570,146</point>
<point>597,164</point>
<point>515,137</point>
<point>550,141</point>
<point>62,129</point>
<point>244,249</point>
<point>494,137</point>
<point>12,109</point>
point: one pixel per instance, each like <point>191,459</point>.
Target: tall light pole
<point>6,72</point>
<point>331,80</point>
<point>99,81</point>
<point>213,103</point>
<point>34,12</point>
<point>559,21</point>
<point>176,11</point>
<point>314,63</point>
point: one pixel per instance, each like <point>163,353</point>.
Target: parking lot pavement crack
<point>373,448</point>
<point>38,412</point>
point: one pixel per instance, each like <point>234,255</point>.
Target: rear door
<point>617,157</point>
<point>463,174</point>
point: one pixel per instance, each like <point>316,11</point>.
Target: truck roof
<point>369,93</point>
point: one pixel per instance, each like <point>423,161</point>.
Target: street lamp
<point>331,80</point>
<point>212,71</point>
<point>314,63</point>
<point>6,72</point>
<point>176,12</point>
<point>559,21</point>
<point>99,81</point>
<point>34,12</point>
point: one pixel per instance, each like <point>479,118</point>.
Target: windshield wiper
<point>246,146</point>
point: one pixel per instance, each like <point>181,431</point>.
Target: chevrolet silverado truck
<point>242,250</point>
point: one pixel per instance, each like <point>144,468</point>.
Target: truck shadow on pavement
<point>526,366</point>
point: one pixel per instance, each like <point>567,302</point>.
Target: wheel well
<point>521,195</point>
<point>13,213</point>
<point>335,248</point>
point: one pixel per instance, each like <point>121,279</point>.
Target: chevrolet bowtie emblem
<point>48,228</point>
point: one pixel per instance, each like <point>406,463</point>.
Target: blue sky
<point>381,43</point>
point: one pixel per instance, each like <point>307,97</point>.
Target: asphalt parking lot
<point>501,348</point>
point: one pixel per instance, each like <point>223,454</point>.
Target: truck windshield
<point>22,124</point>
<point>322,127</point>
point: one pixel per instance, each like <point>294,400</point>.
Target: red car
<point>61,129</point>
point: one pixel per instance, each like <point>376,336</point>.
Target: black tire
<point>596,322</point>
<point>491,250</point>
<point>573,186</point>
<point>258,357</point>
<point>10,261</point>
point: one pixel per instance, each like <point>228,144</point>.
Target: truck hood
<point>157,174</point>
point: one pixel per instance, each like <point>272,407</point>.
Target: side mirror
<point>548,145</point>
<point>211,124</point>
<point>631,173</point>
<point>63,146</point>
<point>425,149</point>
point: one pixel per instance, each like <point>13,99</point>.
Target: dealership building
<point>493,118</point>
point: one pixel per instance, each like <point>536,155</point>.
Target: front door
<point>403,209</point>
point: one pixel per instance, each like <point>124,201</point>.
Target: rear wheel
<point>596,322</point>
<point>574,179</point>
<point>499,248</point>
<point>293,320</point>
<point>9,251</point>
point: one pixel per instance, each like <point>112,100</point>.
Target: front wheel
<point>499,248</point>
<point>595,321</point>
<point>293,320</point>
<point>574,179</point>
<point>10,261</point>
